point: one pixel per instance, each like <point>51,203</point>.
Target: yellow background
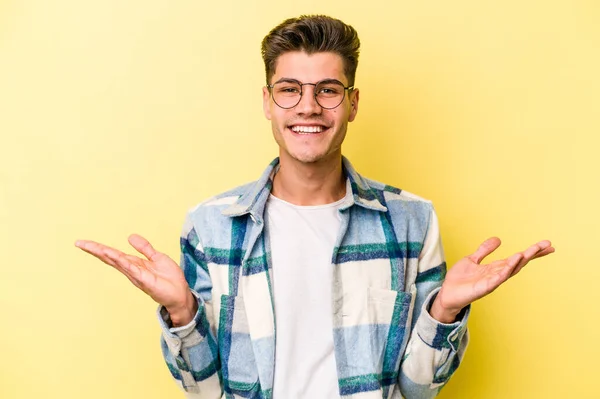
<point>118,116</point>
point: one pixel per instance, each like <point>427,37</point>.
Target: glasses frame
<point>346,88</point>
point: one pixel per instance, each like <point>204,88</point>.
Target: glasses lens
<point>330,94</point>
<point>286,94</point>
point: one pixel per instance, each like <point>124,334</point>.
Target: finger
<point>545,247</point>
<point>143,246</point>
<point>95,249</point>
<point>521,265</point>
<point>530,252</point>
<point>514,260</point>
<point>133,267</point>
<point>486,248</point>
<point>140,263</point>
<point>136,260</point>
<point>91,247</point>
<point>140,269</point>
<point>128,265</point>
<point>542,245</point>
<point>534,251</point>
<point>511,264</point>
<point>539,254</point>
<point>502,270</point>
<point>545,252</point>
<point>123,262</point>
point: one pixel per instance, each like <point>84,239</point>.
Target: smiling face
<point>308,133</point>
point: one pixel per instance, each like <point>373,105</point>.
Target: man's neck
<point>304,184</point>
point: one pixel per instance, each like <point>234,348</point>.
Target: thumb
<point>143,246</point>
<point>486,248</point>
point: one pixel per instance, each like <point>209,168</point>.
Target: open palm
<point>469,280</point>
<point>157,275</point>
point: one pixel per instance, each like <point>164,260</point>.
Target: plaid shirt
<point>388,265</point>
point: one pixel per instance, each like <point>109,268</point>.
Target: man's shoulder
<point>409,214</point>
<point>373,193</point>
<point>403,208</point>
<point>219,202</point>
<point>394,194</point>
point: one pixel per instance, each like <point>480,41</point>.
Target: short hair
<point>312,34</point>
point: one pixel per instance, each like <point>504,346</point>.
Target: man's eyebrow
<point>287,80</point>
<point>330,80</point>
<point>326,80</point>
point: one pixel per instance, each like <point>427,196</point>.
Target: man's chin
<point>311,159</point>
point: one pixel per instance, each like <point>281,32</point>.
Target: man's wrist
<point>441,313</point>
<point>183,315</point>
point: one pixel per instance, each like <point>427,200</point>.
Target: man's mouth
<point>307,129</point>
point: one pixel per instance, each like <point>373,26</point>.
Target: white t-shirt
<point>302,240</point>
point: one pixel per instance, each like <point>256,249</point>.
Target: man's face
<point>307,132</point>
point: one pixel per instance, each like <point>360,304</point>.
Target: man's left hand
<point>469,280</point>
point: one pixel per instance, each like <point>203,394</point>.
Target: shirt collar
<point>255,197</point>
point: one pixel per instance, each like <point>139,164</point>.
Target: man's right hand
<point>158,275</point>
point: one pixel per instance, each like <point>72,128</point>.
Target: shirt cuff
<point>175,335</point>
<point>441,335</point>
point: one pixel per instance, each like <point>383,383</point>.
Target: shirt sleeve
<point>435,349</point>
<point>190,351</point>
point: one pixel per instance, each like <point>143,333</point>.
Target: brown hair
<point>312,34</point>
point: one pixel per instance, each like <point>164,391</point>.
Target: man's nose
<point>308,104</point>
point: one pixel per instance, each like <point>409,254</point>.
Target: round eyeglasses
<point>328,93</point>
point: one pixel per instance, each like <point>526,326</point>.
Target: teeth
<point>307,129</point>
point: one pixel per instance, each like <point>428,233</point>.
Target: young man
<point>312,282</point>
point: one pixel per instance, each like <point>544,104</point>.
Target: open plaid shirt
<point>388,266</point>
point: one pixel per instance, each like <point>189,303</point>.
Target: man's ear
<point>354,96</point>
<point>266,102</point>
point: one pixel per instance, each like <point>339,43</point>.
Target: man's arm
<point>435,349</point>
<point>188,339</point>
<point>189,344</point>
<point>439,337</point>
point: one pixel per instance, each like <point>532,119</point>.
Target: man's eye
<point>329,91</point>
<point>289,90</point>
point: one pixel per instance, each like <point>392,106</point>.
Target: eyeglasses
<point>328,93</point>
